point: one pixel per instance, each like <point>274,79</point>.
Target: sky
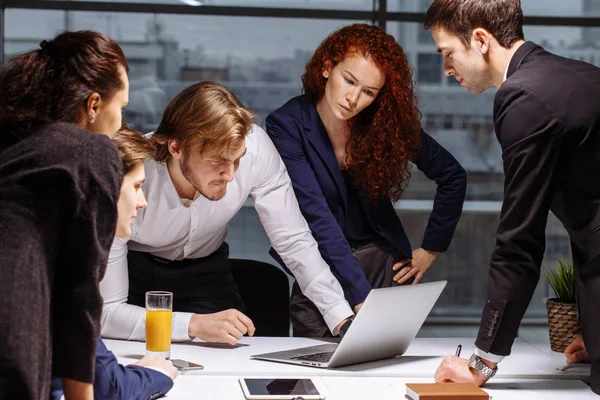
<point>250,38</point>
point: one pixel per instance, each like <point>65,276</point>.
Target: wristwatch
<point>345,326</point>
<point>476,363</point>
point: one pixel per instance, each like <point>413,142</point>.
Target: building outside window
<point>261,59</point>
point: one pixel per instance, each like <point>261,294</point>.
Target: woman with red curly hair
<point>348,144</point>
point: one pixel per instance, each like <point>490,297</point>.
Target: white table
<point>529,374</point>
<point>199,387</point>
<point>420,361</point>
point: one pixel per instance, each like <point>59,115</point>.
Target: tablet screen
<point>300,387</point>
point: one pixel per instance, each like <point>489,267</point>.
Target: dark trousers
<point>588,299</point>
<point>216,283</point>
<point>201,285</point>
<point>376,260</point>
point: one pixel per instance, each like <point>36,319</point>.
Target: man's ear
<point>481,40</point>
<point>175,148</point>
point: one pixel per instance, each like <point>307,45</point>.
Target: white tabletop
<point>194,387</point>
<point>420,361</point>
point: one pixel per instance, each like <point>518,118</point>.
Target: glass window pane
<point>463,124</point>
<point>260,59</point>
<point>429,68</point>
<point>314,4</point>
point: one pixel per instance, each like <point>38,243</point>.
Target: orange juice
<point>158,330</point>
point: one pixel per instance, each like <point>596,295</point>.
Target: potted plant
<point>563,321</point>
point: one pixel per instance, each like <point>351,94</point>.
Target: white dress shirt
<point>170,229</point>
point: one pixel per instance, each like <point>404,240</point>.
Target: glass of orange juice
<point>159,312</point>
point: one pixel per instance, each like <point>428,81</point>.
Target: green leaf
<point>562,281</point>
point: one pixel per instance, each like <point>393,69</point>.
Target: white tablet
<point>280,389</point>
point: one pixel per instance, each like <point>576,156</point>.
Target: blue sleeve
<point>56,391</point>
<point>440,166</point>
<point>334,248</point>
<point>114,381</point>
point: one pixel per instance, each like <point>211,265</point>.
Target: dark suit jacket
<point>301,139</point>
<point>114,381</point>
<point>547,120</point>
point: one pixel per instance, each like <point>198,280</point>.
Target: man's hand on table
<point>456,369</point>
<point>227,326</point>
<point>576,351</point>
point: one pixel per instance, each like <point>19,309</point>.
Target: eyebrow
<point>356,79</point>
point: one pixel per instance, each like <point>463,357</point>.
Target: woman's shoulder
<point>292,109</point>
<point>83,155</point>
<point>64,141</point>
<point>292,118</point>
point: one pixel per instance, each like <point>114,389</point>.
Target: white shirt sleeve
<point>488,356</point>
<point>290,236</point>
<point>125,321</point>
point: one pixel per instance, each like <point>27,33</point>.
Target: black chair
<point>265,292</point>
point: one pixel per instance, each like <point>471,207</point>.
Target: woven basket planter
<point>563,324</point>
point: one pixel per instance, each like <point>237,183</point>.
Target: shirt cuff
<point>337,314</point>
<point>488,356</point>
<point>181,322</point>
<point>161,370</point>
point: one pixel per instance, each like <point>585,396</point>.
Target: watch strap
<point>476,363</point>
<point>345,326</point>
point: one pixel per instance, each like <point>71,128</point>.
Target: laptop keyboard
<point>318,357</point>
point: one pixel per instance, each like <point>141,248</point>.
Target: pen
<point>458,349</point>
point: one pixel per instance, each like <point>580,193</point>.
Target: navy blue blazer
<point>113,381</point>
<point>302,141</point>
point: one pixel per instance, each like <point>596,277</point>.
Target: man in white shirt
<point>210,158</point>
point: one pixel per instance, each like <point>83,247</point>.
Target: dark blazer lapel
<point>317,136</point>
<point>520,55</point>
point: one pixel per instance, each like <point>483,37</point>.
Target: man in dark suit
<point>547,120</point>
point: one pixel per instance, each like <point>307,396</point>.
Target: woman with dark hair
<point>60,177</point>
<point>347,144</point>
<point>152,376</point>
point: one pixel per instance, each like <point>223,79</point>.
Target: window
<point>313,4</point>
<point>262,59</point>
<point>451,81</point>
<point>463,124</point>
<point>429,67</point>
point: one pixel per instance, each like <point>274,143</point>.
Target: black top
<point>357,229</point>
<point>58,198</point>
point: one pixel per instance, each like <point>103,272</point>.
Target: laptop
<point>384,327</point>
